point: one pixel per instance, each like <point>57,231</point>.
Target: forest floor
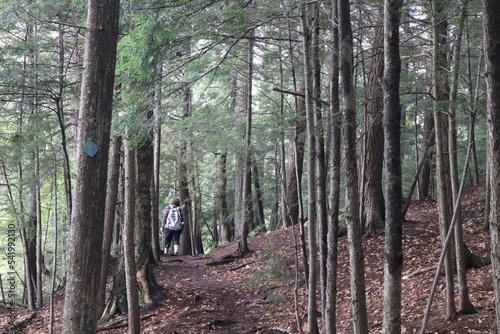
<point>255,294</point>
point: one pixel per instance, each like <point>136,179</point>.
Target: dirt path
<point>200,298</point>
<point>206,301</point>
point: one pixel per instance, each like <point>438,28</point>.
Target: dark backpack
<point>174,221</point>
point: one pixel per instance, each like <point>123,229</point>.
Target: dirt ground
<point>255,294</point>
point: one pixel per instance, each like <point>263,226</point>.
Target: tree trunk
<point>240,156</point>
<point>155,185</point>
<point>38,214</point>
<point>295,162</point>
<point>472,99</point>
<point>393,253</point>
<point>257,196</point>
<point>373,206</point>
<point>129,200</point>
<point>491,13</point>
<point>246,209</point>
<point>424,173</point>
<point>109,216</point>
<point>142,233</point>
<point>187,244</point>
<point>330,312</point>
<point>307,31</point>
<point>29,250</point>
<point>464,304</point>
<point>85,253</point>
<point>55,254</point>
<point>224,211</point>
<point>356,258</point>
<point>441,93</point>
<point>321,179</point>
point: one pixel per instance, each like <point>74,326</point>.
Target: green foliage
<point>275,267</point>
<point>259,230</point>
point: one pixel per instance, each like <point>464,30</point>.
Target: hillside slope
<point>255,294</point>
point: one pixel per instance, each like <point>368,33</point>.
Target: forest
<point>331,116</point>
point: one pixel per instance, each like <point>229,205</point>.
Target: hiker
<point>172,224</point>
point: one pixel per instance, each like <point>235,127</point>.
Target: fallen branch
<point>241,266</point>
<point>20,323</point>
<point>225,259</point>
<point>418,272</point>
<point>122,323</point>
<point>219,262</point>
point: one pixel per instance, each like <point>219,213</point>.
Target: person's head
<point>175,201</point>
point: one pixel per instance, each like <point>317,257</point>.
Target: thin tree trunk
<point>446,245</point>
<point>421,164</point>
<point>38,239</point>
<point>134,322</point>
<point>109,216</point>
<point>295,162</point>
<point>240,102</point>
<point>155,186</point>
<point>330,311</point>
<point>441,93</point>
<point>424,172</point>
<point>62,127</point>
<point>356,258</point>
<point>29,233</point>
<point>55,254</point>
<point>247,178</point>
<point>224,211</point>
<point>464,304</point>
<point>321,179</point>
<point>187,244</point>
<point>311,186</point>
<point>472,100</point>
<point>393,253</point>
<point>259,207</point>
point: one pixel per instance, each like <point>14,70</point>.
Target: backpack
<point>174,221</point>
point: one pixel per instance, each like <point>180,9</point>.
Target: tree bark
<point>247,176</point>
<point>155,185</point>
<point>441,93</point>
<point>295,162</point>
<point>257,196</point>
<point>109,216</point>
<point>424,173</point>
<point>321,178</point>
<point>330,312</point>
<point>491,13</point>
<point>38,214</point>
<point>85,253</point>
<point>311,166</point>
<point>142,232</point>
<point>187,243</point>
<point>129,200</point>
<point>240,105</point>
<point>464,302</point>
<point>393,253</point>
<point>224,210</point>
<point>356,257</point>
<point>373,206</point>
